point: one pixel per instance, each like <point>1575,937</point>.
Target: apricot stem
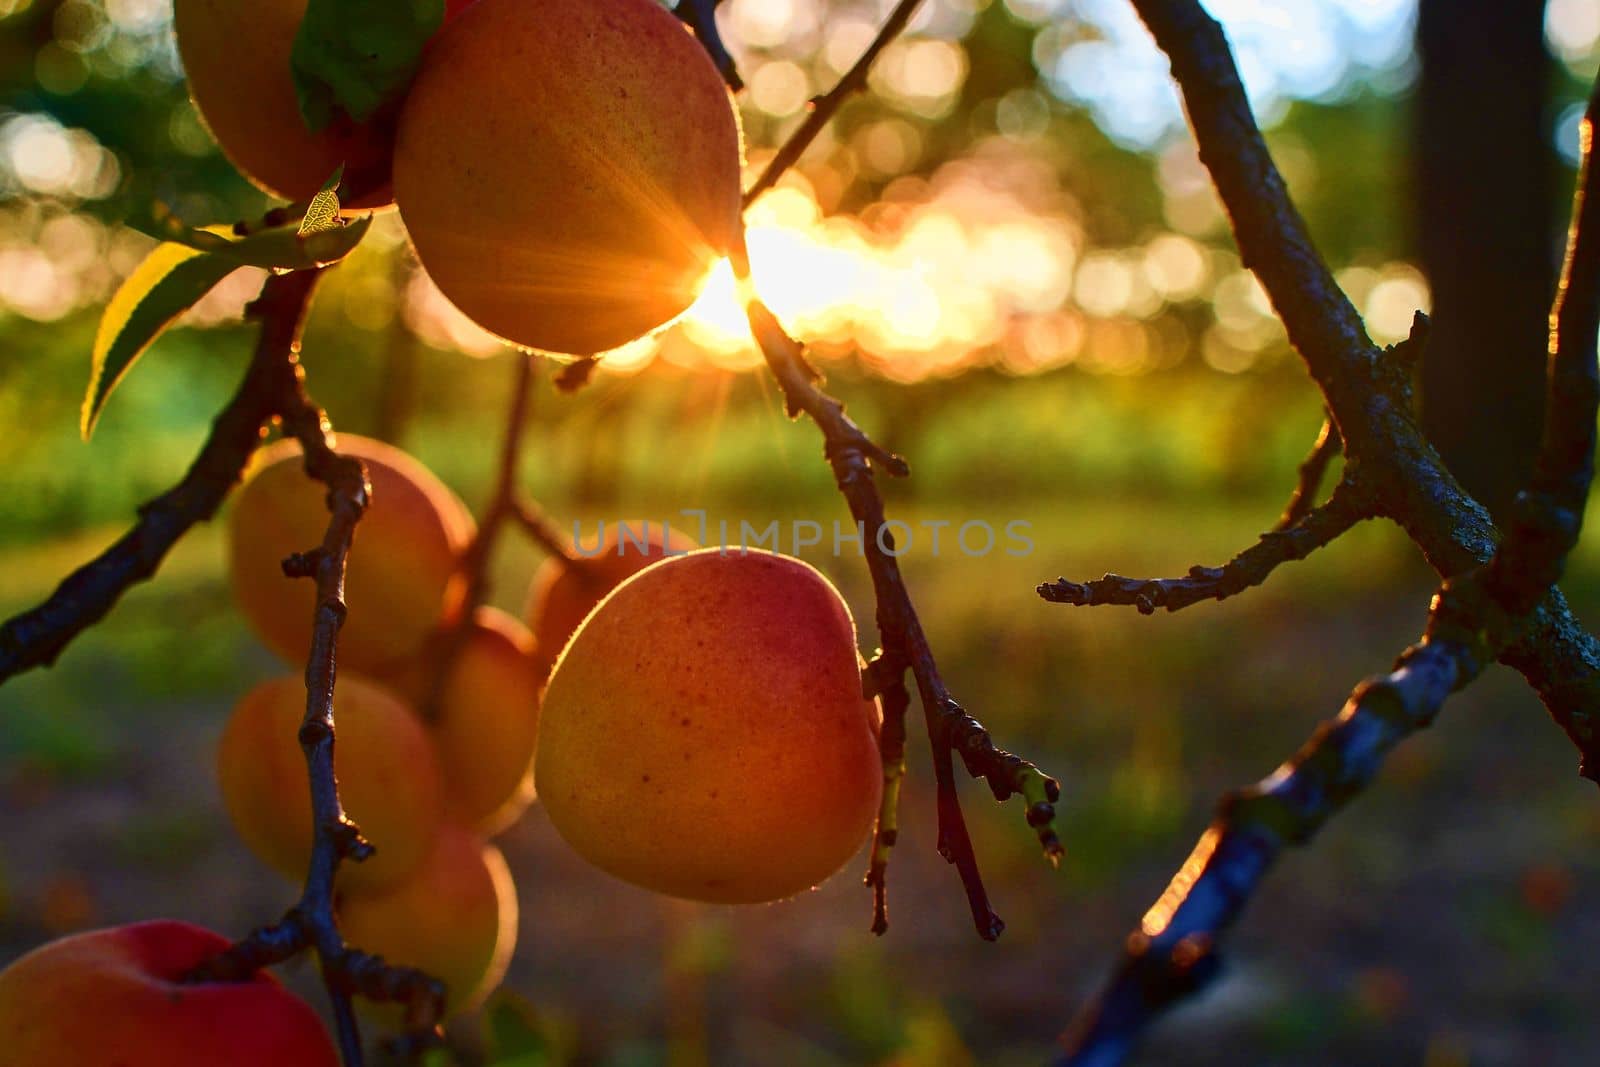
<point>505,503</point>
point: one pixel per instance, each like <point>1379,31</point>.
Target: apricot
<point>114,998</point>
<point>487,720</point>
<point>235,54</point>
<point>564,591</point>
<point>455,917</point>
<point>704,733</point>
<point>568,170</point>
<point>384,760</point>
<point>401,581</point>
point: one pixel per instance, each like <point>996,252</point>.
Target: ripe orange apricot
<point>568,170</point>
<point>236,56</point>
<point>114,997</point>
<point>401,581</point>
<point>704,733</point>
<point>487,720</point>
<point>388,777</point>
<point>455,917</point>
<point>564,591</point>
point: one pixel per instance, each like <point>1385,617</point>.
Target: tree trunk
<point>1485,182</point>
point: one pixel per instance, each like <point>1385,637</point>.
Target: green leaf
<point>296,247</point>
<point>354,56</point>
<point>169,282</point>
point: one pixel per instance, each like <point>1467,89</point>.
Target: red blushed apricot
<point>455,917</point>
<point>401,580</point>
<point>568,170</point>
<point>564,591</point>
<point>383,757</point>
<point>704,734</point>
<point>115,998</point>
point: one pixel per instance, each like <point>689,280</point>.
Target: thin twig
<point>1547,518</point>
<point>1249,568</point>
<point>503,504</point>
<point>823,108</point>
<point>335,838</point>
<point>854,456</point>
<point>1309,482</point>
<point>700,16</point>
<point>537,525</point>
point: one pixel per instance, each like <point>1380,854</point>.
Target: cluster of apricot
<point>702,734</point>
<point>693,690</point>
<point>426,790</point>
<point>568,170</point>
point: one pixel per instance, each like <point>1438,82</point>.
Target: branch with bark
<point>904,648</point>
<point>37,637</point>
<point>1495,603</point>
<point>1319,527</point>
<point>272,392</point>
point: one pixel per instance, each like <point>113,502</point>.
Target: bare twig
<point>1312,471</point>
<point>823,108</point>
<point>1249,568</point>
<point>36,637</point>
<point>951,730</point>
<point>311,922</point>
<point>700,16</point>
<point>537,525</point>
<point>1548,516</point>
<point>895,700</point>
<point>504,504</point>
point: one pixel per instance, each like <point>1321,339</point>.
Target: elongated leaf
<point>293,247</point>
<point>354,56</point>
<point>169,282</point>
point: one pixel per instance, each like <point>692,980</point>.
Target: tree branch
<point>1318,528</point>
<point>700,16</point>
<point>1312,471</point>
<point>951,730</point>
<point>823,108</point>
<point>335,838</point>
<point>37,637</point>
<point>1367,395</point>
<point>504,504</point>
<point>1172,953</point>
<point>1547,518</point>
<point>1502,608</point>
<point>537,525</point>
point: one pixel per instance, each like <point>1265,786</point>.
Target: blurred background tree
<point>1486,210</point>
<point>1015,270</point>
